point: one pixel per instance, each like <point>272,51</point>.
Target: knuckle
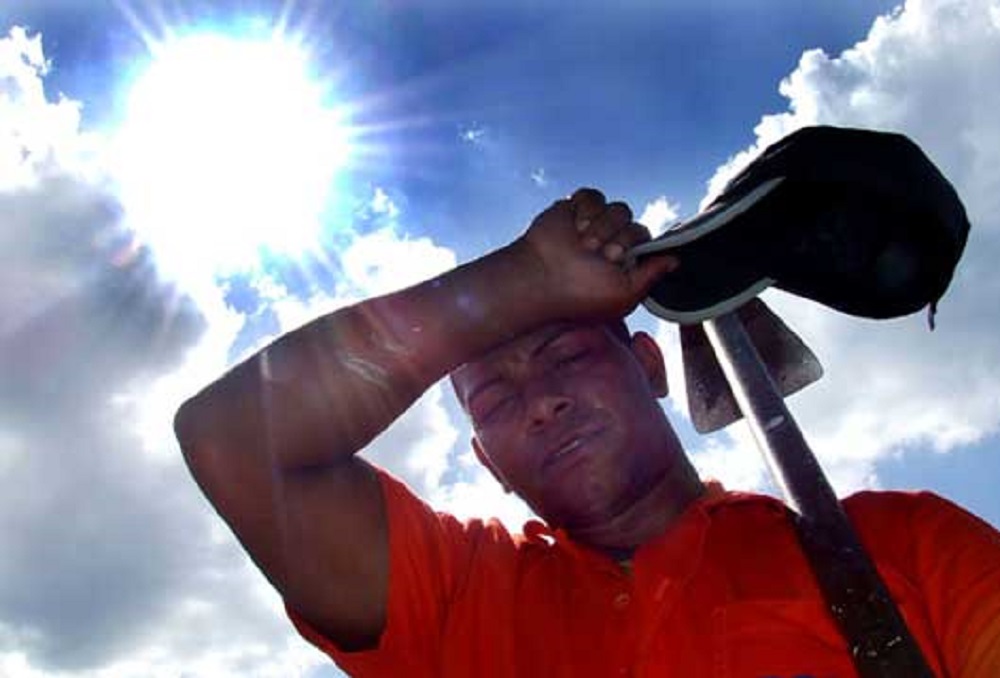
<point>638,230</point>
<point>614,251</point>
<point>559,206</point>
<point>588,195</point>
<point>620,210</point>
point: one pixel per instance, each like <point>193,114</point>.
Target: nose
<point>546,405</point>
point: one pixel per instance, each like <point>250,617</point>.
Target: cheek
<point>628,405</point>
<point>502,450</point>
<point>604,390</point>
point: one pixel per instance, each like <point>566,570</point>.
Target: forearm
<point>322,392</point>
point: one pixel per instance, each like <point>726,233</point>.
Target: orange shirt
<point>724,592</point>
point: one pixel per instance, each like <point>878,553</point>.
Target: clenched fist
<point>576,251</point>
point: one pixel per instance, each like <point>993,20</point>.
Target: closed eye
<point>490,403</point>
<point>571,359</point>
<point>499,407</point>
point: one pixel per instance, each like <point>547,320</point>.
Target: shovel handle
<point>880,643</point>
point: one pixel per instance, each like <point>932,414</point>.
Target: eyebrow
<point>557,334</point>
<point>540,347</point>
<point>479,388</point>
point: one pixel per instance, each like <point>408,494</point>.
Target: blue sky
<point>422,135</point>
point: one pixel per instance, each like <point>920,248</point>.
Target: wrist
<point>529,292</point>
<point>497,296</point>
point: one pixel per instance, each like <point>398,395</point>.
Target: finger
<point>589,204</point>
<point>616,217</point>
<point>560,208</point>
<point>633,234</point>
<point>587,195</point>
<point>647,272</point>
<point>624,240</point>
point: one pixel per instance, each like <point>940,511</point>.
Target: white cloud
<point>52,216</point>
<point>472,135</point>
<point>479,495</point>
<point>890,386</point>
<point>38,137</point>
<point>113,564</point>
<point>384,261</point>
<point>383,204</point>
<point>658,215</point>
<point>539,178</point>
<point>732,459</point>
<point>416,448</point>
<point>669,341</point>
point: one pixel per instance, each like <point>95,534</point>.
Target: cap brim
<point>720,291</point>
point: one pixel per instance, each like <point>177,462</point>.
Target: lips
<point>569,447</point>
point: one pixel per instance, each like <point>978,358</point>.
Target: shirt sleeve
<point>958,560</point>
<point>429,557</point>
<point>949,560</point>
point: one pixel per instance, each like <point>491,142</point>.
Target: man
<point>641,568</point>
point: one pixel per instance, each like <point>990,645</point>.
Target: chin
<point>583,511</point>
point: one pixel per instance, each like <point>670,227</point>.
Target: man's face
<point>567,416</point>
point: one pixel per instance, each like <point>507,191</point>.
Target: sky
<point>181,182</point>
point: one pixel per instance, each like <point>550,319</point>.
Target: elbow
<point>185,426</point>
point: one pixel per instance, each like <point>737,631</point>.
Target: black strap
<point>880,643</point>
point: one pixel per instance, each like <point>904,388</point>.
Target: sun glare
<point>228,151</point>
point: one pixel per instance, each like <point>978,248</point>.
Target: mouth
<point>569,448</point>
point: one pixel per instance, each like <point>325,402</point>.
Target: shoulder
<point>893,524</point>
<point>868,510</point>
<point>876,502</point>
<point>934,544</point>
<point>415,525</point>
<point>740,507</point>
<point>743,522</point>
<point>885,510</point>
<point>922,519</point>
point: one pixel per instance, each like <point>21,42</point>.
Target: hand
<point>577,247</point>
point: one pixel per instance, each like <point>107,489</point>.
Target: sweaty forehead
<point>520,350</point>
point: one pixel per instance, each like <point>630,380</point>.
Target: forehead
<point>521,350</point>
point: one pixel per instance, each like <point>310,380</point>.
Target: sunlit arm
<point>273,442</point>
<point>322,392</point>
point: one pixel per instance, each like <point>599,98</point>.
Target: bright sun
<point>228,150</point>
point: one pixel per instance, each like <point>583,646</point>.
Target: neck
<point>650,515</point>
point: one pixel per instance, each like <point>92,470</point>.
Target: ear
<point>648,353</point>
<point>485,460</point>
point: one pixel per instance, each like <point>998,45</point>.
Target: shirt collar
<point>677,549</point>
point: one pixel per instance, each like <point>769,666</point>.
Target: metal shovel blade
<point>790,363</point>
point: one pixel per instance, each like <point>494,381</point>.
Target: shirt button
<point>622,600</point>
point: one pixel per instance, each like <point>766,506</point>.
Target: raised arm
<point>273,442</point>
